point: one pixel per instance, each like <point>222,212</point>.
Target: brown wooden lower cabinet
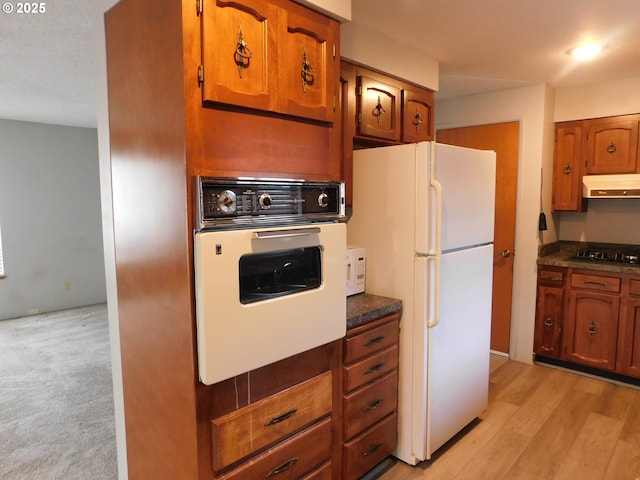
<point>629,338</point>
<point>549,313</point>
<point>589,318</point>
<point>370,395</point>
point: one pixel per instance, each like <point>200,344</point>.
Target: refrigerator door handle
<point>434,307</point>
<point>437,187</point>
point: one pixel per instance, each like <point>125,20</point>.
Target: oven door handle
<point>286,233</point>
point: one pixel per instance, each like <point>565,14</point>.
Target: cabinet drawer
<point>370,341</point>
<point>370,368</point>
<point>244,431</point>
<point>370,448</point>
<point>595,282</point>
<point>634,287</point>
<point>366,406</point>
<point>551,278</point>
<point>291,459</point>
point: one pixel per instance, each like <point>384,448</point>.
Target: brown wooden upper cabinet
<point>567,168</point>
<point>307,57</point>
<point>612,145</point>
<point>378,109</point>
<point>261,56</point>
<point>384,110</point>
<point>598,146</point>
<point>417,115</point>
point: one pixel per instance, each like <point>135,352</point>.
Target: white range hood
<point>611,186</point>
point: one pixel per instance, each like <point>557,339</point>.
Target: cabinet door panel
<point>629,345</point>
<point>417,116</point>
<point>592,329</point>
<point>612,146</point>
<point>378,109</point>
<point>567,169</point>
<point>238,48</point>
<point>307,63</point>
<point>548,328</point>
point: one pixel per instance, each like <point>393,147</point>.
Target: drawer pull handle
<point>374,368</point>
<point>593,282</point>
<point>373,449</point>
<point>548,321</point>
<point>374,341</point>
<point>282,418</point>
<point>592,329</point>
<point>282,468</point>
<point>373,405</point>
<point>551,279</point>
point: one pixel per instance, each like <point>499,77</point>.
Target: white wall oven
<point>269,271</point>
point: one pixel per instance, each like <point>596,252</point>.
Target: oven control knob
<point>227,202</point>
<point>265,201</point>
<point>323,200</point>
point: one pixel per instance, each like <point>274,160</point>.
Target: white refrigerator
<point>425,214</point>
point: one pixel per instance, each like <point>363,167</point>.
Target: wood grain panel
<point>151,236</point>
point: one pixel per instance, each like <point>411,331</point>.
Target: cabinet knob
<point>592,329</point>
<point>282,468</point>
<point>548,321</point>
<point>417,120</point>
<point>307,74</point>
<point>243,53</point>
<point>611,149</point>
<point>567,169</point>
<point>378,111</point>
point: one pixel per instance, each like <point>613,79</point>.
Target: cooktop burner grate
<point>630,255</point>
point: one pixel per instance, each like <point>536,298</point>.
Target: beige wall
<point>598,100</point>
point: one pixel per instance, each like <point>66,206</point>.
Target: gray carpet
<point>56,397</point>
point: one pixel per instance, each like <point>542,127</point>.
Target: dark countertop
<point>364,307</point>
<point>558,255</point>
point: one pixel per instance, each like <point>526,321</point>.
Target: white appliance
<point>425,214</point>
<point>269,272</point>
<point>356,268</point>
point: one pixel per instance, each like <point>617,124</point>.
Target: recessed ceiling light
<point>586,52</point>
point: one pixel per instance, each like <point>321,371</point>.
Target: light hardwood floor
<point>542,424</point>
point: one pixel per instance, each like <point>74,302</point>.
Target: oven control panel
<point>235,203</point>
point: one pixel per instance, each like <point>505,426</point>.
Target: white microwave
<point>356,263</point>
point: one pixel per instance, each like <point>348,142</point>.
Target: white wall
<point>606,220</point>
<point>50,216</point>
<point>533,108</point>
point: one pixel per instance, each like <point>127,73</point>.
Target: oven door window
<point>276,274</point>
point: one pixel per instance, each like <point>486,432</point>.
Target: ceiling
<point>47,70</point>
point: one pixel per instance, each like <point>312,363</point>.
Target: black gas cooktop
<point>625,255</point>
